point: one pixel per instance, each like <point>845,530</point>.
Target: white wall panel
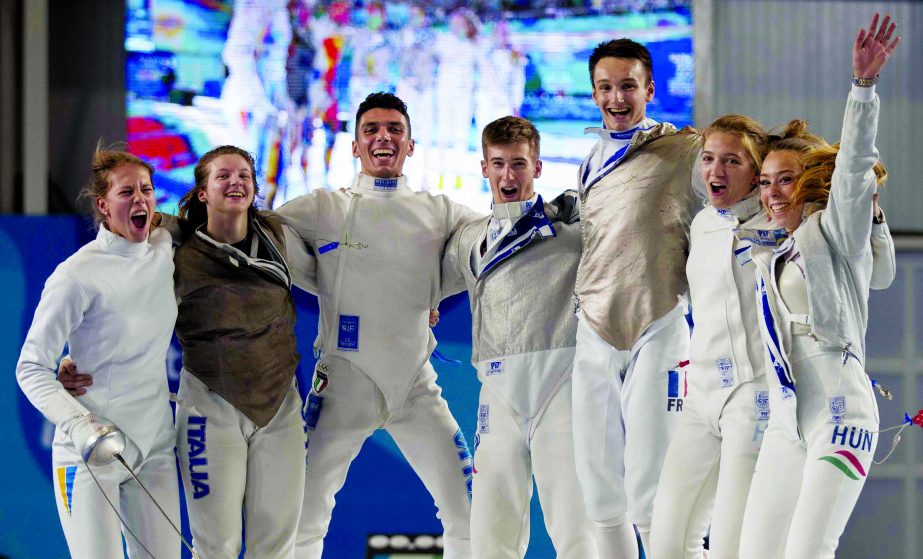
<point>778,60</point>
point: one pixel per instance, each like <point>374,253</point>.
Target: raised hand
<point>873,47</point>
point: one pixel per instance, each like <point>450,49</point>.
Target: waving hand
<point>871,51</point>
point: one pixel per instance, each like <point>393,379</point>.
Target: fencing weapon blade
<point>166,517</point>
<point>156,504</point>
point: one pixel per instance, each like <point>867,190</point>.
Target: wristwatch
<point>865,82</point>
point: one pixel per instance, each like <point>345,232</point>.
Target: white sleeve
<point>862,93</point>
<point>60,311</point>
<point>453,280</point>
<point>847,220</point>
<point>302,214</point>
<point>884,264</point>
<point>458,215</point>
<point>301,262</point>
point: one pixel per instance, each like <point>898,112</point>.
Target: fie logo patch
<point>496,367</point>
<point>761,404</point>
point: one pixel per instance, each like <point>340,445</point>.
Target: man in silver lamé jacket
<point>637,201</point>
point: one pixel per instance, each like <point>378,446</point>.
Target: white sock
<point>616,539</point>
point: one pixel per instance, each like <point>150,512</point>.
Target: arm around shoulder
<point>458,215</point>
<point>175,226</point>
<point>452,278</point>
<point>568,206</point>
<point>302,214</point>
<point>301,261</point>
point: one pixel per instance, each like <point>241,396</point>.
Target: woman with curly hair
<point>813,294</point>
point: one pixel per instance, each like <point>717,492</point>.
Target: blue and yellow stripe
<point>66,475</point>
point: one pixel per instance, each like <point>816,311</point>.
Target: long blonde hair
<point>814,183</point>
<point>817,159</point>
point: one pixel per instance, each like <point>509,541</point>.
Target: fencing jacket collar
<point>743,210</point>
<point>277,269</point>
<point>613,147</point>
<point>755,228</point>
<point>373,186</point>
<point>119,244</point>
<point>514,226</point>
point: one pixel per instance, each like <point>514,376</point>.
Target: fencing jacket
<point>523,327</point>
<point>112,302</point>
<point>837,258</point>
<point>237,317</point>
<point>379,249</point>
<point>635,226</point>
<point>726,350</point>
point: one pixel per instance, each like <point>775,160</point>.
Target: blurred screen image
<point>283,78</point>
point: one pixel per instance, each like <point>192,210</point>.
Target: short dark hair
<point>622,48</point>
<point>510,130</point>
<point>382,100</point>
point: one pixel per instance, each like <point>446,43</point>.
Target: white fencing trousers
<point>624,415</point>
<point>509,450</point>
<point>706,475</point>
<point>425,432</point>
<point>232,467</point>
<point>91,527</point>
<point>803,492</point>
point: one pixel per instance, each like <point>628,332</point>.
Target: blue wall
<point>382,494</point>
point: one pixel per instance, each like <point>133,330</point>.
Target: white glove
<point>97,439</point>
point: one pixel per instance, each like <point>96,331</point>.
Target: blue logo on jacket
<point>195,438</point>
<point>348,333</point>
<point>674,399</point>
<point>385,184</point>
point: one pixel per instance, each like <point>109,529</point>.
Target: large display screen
<point>282,79</point>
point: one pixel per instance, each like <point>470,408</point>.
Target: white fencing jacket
<point>523,327</point>
<point>726,349</point>
<point>837,258</point>
<point>379,250</point>
<point>112,302</point>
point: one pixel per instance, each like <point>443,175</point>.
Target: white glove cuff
<point>96,439</point>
